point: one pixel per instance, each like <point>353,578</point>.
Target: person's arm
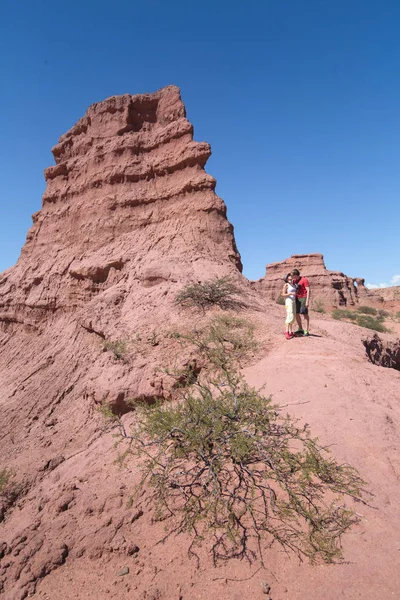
<point>283,292</point>
<point>308,296</point>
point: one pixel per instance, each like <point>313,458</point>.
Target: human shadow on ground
<point>300,335</point>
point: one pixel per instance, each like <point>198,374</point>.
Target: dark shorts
<point>301,308</point>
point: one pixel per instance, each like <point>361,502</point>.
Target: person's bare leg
<point>290,327</point>
<point>307,319</point>
<point>298,319</point>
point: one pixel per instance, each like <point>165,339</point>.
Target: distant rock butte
<point>332,288</point>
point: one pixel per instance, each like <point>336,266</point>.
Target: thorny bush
<point>214,292</point>
<point>227,466</point>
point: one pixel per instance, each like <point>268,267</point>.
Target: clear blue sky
<point>299,99</point>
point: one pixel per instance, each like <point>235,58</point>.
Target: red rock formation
<point>386,298</point>
<point>129,216</point>
<point>128,197</point>
<point>332,288</point>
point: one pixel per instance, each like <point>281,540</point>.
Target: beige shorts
<point>290,310</point>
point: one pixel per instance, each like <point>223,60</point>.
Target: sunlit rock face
<point>129,216</point>
<point>128,199</point>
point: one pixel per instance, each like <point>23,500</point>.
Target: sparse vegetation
<point>367,310</point>
<point>280,300</point>
<point>319,306</point>
<point>340,314</point>
<point>9,492</point>
<point>222,344</point>
<point>363,320</point>
<point>118,347</point>
<point>371,323</point>
<point>153,339</point>
<point>5,477</point>
<point>215,292</point>
<point>224,464</point>
<point>107,412</point>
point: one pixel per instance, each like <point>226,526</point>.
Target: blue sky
<point>298,99</point>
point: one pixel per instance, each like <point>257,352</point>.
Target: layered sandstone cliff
<point>129,216</point>
<point>332,288</point>
<point>128,199</point>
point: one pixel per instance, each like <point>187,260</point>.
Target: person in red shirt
<point>302,301</point>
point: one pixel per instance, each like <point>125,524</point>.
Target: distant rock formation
<point>387,298</point>
<point>332,288</point>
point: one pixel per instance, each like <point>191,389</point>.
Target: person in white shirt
<point>289,293</point>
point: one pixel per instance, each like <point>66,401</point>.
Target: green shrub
<point>367,310</point>
<point>106,411</point>
<point>370,323</point>
<point>215,292</point>
<point>383,313</point>
<point>9,492</point>
<point>222,344</point>
<point>340,314</point>
<point>118,347</point>
<point>280,300</point>
<point>5,477</point>
<point>224,464</point>
<point>362,320</point>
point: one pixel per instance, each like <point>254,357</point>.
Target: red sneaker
<point>292,335</point>
<point>287,335</point>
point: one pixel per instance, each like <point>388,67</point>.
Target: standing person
<point>289,293</point>
<point>302,302</point>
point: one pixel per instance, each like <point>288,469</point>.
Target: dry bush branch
<point>215,292</point>
<point>225,465</point>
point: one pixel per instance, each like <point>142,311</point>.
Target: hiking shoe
<point>306,333</point>
<point>287,335</point>
<point>299,332</point>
